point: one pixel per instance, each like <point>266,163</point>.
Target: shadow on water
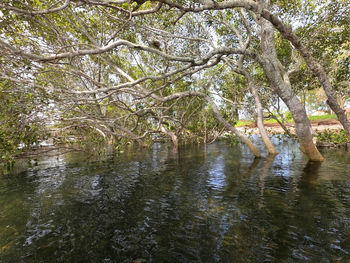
<point>213,203</point>
<point>310,175</point>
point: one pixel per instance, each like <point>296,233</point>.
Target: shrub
<point>333,136</point>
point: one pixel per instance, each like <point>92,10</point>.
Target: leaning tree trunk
<point>217,115</point>
<point>284,127</point>
<point>315,67</point>
<point>271,67</point>
<point>216,112</point>
<point>241,136</point>
<point>260,121</point>
<point>260,115</point>
<point>173,137</point>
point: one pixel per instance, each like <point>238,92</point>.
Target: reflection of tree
<point>298,222</point>
<point>161,207</point>
<point>319,211</point>
<point>309,176</point>
<point>263,174</point>
<point>15,208</point>
<point>237,182</point>
<point>246,236</point>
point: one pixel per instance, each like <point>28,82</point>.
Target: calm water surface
<point>211,203</point>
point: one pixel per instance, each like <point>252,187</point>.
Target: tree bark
<point>315,67</point>
<point>272,70</point>
<point>260,121</point>
<point>173,137</point>
<point>205,126</point>
<point>241,136</point>
<point>287,33</point>
<point>260,115</point>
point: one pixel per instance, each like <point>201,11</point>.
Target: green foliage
<point>284,50</point>
<point>332,136</point>
<point>82,137</point>
<point>125,112</point>
<point>289,116</point>
<point>232,139</point>
<point>18,124</point>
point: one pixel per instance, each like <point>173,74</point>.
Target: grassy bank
<point>326,117</point>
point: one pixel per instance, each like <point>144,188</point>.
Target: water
<point>210,203</point>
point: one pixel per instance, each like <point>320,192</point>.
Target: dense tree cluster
<point>128,70</point>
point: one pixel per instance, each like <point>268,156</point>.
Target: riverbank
<point>274,128</point>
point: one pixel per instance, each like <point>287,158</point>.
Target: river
<point>213,203</point>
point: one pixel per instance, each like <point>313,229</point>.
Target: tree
<point>21,120</point>
<point>119,68</point>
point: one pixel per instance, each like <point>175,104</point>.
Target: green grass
<point>270,121</point>
<point>311,118</point>
<point>323,117</point>
<point>242,123</point>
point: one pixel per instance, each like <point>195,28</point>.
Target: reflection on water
<point>216,173</point>
<point>213,203</point>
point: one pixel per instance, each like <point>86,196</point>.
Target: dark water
<point>210,203</point>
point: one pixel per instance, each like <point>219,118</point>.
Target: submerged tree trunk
<point>173,137</point>
<point>260,115</point>
<point>241,136</point>
<point>216,112</point>
<point>260,121</point>
<point>273,72</point>
<point>315,67</point>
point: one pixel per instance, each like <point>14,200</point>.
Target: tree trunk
<point>315,67</point>
<point>260,115</point>
<point>173,137</point>
<point>241,136</point>
<point>205,126</point>
<point>284,127</point>
<point>216,112</point>
<point>260,121</point>
<point>272,69</point>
